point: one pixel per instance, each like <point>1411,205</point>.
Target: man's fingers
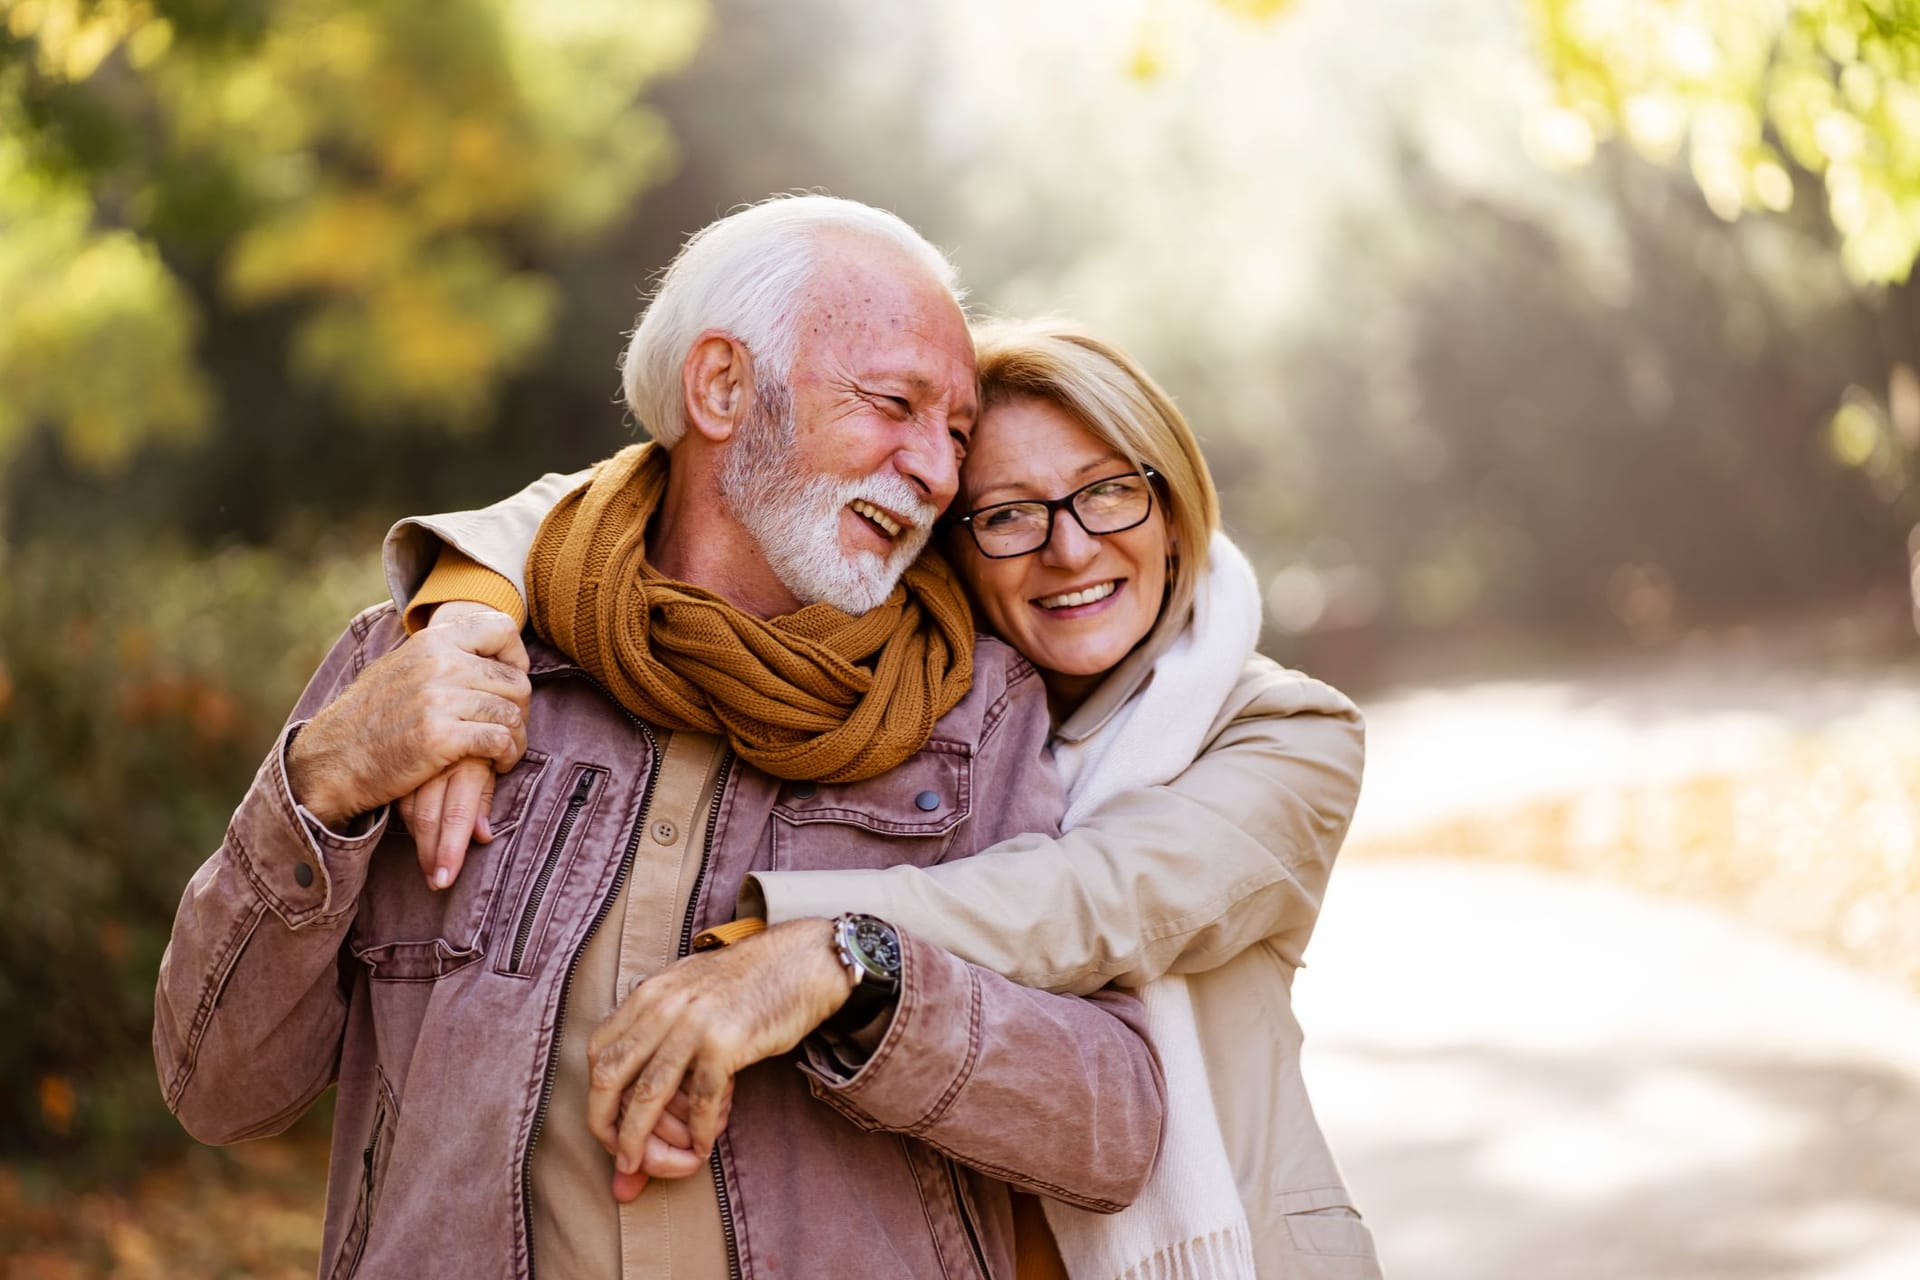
<point>648,1095</point>
<point>710,1087</point>
<point>491,742</point>
<point>489,633</point>
<point>514,652</point>
<point>615,1055</point>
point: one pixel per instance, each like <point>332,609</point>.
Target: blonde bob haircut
<point>1110,395</point>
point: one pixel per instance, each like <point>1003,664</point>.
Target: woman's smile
<point>1082,602</point>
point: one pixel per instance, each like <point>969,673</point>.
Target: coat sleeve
<point>495,538</point>
<point>250,1009</point>
<point>1171,879</point>
<point>1056,1094</point>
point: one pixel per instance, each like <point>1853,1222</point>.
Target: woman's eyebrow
<point>1019,486</point>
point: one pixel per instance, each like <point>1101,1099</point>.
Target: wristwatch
<point>870,950</point>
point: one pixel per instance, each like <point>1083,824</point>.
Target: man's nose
<point>928,460</point>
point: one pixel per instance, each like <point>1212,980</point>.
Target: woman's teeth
<point>1087,596</point>
<point>875,514</point>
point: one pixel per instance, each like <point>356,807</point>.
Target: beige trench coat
<point>1218,875</point>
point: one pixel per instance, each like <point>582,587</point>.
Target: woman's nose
<point>1069,546</point>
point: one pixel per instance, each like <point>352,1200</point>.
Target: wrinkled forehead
<point>873,301</point>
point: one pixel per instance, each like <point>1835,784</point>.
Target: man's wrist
<point>309,779</point>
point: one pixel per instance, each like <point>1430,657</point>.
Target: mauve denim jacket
<point>302,958</point>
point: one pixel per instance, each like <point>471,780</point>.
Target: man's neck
<point>696,540</point>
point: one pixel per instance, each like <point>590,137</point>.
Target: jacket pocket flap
<point>929,795</point>
<point>414,961</point>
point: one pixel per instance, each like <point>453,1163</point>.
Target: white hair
<point>745,275</point>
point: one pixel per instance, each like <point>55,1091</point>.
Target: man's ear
<point>716,380</point>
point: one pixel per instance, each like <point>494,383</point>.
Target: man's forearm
<point>1059,1095</point>
<point>248,1012</point>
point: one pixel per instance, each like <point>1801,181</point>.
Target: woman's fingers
<point>422,811</point>
<point>469,792</point>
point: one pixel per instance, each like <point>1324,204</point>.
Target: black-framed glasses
<point>1113,504</point>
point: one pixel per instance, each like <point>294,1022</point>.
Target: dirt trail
<point>1530,1075</point>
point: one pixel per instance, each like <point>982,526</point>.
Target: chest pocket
<point>405,932</point>
<point>906,815</point>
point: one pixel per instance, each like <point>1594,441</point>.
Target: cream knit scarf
<point>1189,1223</point>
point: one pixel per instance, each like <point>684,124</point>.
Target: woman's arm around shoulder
<point>1177,878</point>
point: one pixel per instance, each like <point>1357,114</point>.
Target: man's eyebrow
<point>1017,486</point>
<point>922,385</point>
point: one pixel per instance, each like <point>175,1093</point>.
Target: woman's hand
<point>450,809</point>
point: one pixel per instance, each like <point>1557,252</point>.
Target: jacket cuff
<point>304,870</point>
<point>457,577</point>
<point>780,896</point>
<point>926,1056</point>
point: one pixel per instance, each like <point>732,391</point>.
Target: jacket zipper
<point>575,803</point>
<point>686,944</point>
<point>593,927</point>
<point>966,1221</point>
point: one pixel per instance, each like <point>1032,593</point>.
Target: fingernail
<point>442,877</point>
<point>627,1163</point>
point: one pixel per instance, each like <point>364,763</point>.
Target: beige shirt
<point>673,1229</point>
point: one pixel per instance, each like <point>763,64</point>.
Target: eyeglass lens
<point>1105,506</point>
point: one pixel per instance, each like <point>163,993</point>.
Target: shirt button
<point>804,790</point>
<point>928,801</point>
<point>664,831</point>
<point>303,875</point>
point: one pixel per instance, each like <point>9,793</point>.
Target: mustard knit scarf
<point>818,694</point>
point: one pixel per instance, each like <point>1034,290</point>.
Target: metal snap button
<point>664,831</point>
<point>303,875</point>
<point>804,790</point>
<point>928,800</point>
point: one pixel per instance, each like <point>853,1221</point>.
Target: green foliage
<point>1750,92</point>
<point>391,175</point>
<point>139,687</point>
<point>95,333</point>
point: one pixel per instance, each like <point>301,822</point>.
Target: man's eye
<point>959,442</point>
<point>899,405</point>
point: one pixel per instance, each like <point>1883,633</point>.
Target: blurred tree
<point>1750,91</point>
<point>383,182</point>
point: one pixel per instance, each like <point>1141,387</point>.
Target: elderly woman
<point>1209,790</point>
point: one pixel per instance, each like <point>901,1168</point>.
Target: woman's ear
<point>716,381</point>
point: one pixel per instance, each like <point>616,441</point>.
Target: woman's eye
<point>1004,518</point>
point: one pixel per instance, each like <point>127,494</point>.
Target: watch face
<point>879,945</point>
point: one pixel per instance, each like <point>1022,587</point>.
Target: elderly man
<point>741,667</point>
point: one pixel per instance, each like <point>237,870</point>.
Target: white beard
<point>795,516</point>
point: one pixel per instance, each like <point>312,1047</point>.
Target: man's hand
<point>450,808</point>
<point>693,1026</point>
<point>446,694</point>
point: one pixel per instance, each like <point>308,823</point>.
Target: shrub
<point>140,684</point>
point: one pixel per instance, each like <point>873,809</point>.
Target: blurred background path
<point>1536,1073</point>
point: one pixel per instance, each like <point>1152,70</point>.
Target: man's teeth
<point>1072,598</point>
<point>875,514</point>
